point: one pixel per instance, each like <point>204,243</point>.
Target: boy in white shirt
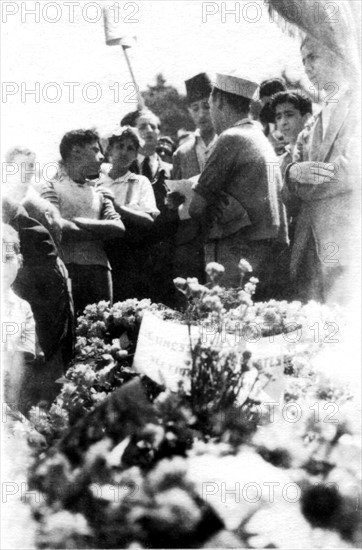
<point>134,200</point>
<point>133,194</point>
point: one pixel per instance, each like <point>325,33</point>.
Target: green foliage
<point>169,106</point>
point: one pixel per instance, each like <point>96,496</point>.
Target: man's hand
<point>216,210</point>
<point>198,206</point>
<point>312,173</point>
<point>174,200</point>
<point>107,194</point>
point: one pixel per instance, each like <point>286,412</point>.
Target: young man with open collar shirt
<point>88,217</point>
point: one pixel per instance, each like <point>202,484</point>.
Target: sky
<point>60,52</point>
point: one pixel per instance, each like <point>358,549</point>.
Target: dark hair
<point>125,133</point>
<point>271,87</point>
<point>167,139</point>
<point>130,119</point>
<point>76,137</point>
<point>301,102</point>
<point>165,145</point>
<point>239,103</point>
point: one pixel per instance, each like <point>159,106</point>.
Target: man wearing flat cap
<point>237,197</point>
<point>189,160</point>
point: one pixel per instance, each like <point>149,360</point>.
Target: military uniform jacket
<point>244,166</point>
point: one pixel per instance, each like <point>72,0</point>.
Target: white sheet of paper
<point>185,188</point>
<point>163,351</point>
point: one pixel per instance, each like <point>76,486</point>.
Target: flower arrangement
<point>131,464</point>
<point>162,485</point>
<point>105,346</point>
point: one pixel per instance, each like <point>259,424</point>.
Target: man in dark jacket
<point>44,283</point>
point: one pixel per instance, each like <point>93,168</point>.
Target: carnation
<point>215,271</point>
<point>244,266</point>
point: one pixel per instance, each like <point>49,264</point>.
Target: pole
<point>141,102</point>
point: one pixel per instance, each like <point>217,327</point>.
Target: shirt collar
<point>127,177</point>
<point>62,175</point>
<point>153,158</point>
<point>243,121</point>
<point>198,137</point>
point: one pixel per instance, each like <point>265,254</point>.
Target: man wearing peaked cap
<point>237,86</point>
<point>237,197</point>
<point>188,161</point>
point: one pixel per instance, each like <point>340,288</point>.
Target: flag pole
<point>141,102</point>
<point>114,34</point>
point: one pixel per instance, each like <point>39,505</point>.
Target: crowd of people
<point>275,185</point>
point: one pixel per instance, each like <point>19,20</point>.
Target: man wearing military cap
<point>189,160</point>
<point>237,197</point>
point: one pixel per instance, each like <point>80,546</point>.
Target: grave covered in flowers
<point>252,445</point>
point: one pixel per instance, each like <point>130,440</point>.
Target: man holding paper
<point>237,197</point>
<point>188,161</point>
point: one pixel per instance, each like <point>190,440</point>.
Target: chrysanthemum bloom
<point>250,288</point>
<point>180,284</point>
<point>195,290</point>
<point>245,298</point>
<point>212,302</point>
<point>215,271</point>
<point>244,267</point>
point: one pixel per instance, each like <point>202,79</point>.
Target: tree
<point>169,105</point>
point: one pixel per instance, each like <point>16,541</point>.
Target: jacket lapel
<point>316,139</point>
<point>193,149</point>
<point>336,121</point>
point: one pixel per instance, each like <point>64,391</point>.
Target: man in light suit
<point>238,195</point>
<point>188,161</point>
<point>325,251</point>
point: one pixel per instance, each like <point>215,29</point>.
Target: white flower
<point>244,266</point>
